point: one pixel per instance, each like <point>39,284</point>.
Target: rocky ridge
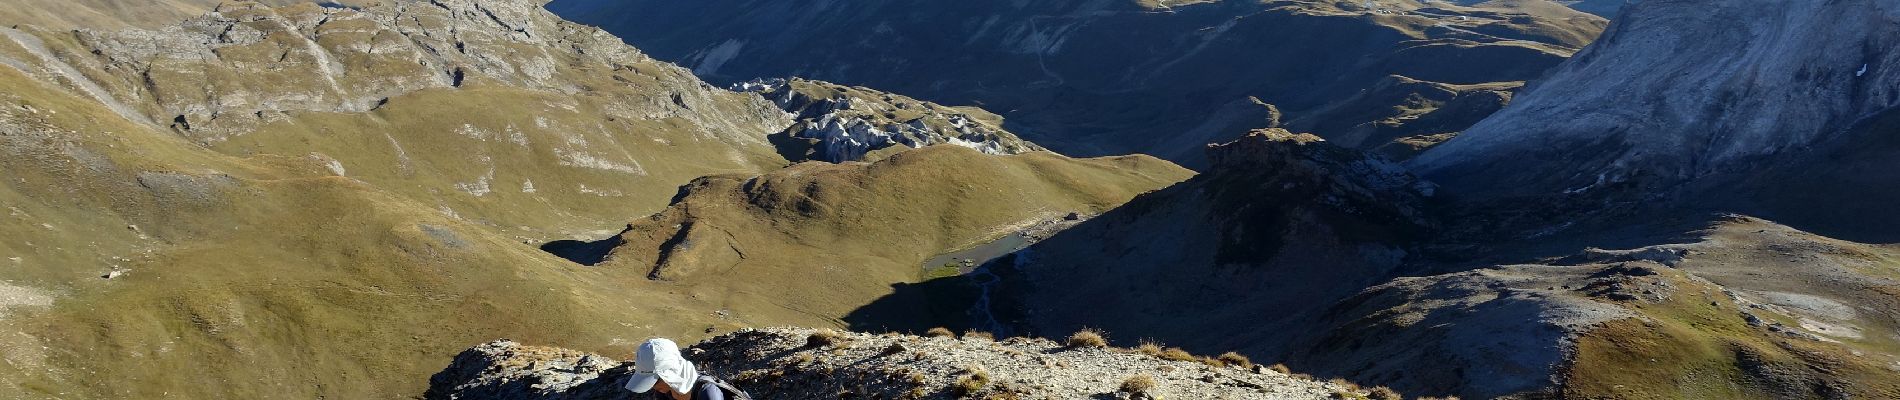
<point>811,364</point>
<point>838,123</point>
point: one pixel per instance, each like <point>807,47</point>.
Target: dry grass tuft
<point>1177,354</point>
<point>940,332</point>
<point>1150,348</point>
<point>973,380</point>
<point>1139,384</point>
<point>895,348</point>
<point>823,338</point>
<point>1087,337</point>
<point>1385,393</point>
<point>1233,359</point>
<point>1281,368</point>
<point>975,334</point>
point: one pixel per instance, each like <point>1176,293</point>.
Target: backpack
<point>732,392</point>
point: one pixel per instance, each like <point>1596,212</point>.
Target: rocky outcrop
<point>1709,88</point>
<point>815,364</point>
<point>1095,77</point>
<point>838,123</point>
<point>505,370</point>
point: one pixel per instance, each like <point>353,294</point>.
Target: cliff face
<point>1705,88</point>
<point>1102,77</point>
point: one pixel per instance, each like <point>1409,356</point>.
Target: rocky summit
<point>783,363</point>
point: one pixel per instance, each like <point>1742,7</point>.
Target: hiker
<point>659,367</point>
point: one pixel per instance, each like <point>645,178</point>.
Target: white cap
<point>657,360</point>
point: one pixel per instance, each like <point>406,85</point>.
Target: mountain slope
<point>1712,89</point>
<point>497,112</point>
<point>308,201</point>
<point>119,14</point>
<point>1108,77</point>
<point>1293,250</point>
<point>181,272</point>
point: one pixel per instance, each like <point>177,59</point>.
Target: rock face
<point>838,123</point>
<point>790,364</point>
<point>1710,88</point>
<point>1094,77</point>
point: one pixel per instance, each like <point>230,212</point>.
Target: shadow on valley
<point>914,308</point>
<point>589,253</point>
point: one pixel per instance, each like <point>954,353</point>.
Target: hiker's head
<point>659,363</point>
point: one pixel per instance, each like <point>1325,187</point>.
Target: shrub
<point>1087,337</point>
<point>1139,384</point>
<point>940,332</point>
<point>823,337</point>
<point>1233,359</point>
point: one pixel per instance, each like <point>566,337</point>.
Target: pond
<point>968,259</point>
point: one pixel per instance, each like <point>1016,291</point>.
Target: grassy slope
<point>269,277</point>
<point>827,238</point>
<point>413,147</point>
<point>1697,346</point>
<point>256,278</point>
